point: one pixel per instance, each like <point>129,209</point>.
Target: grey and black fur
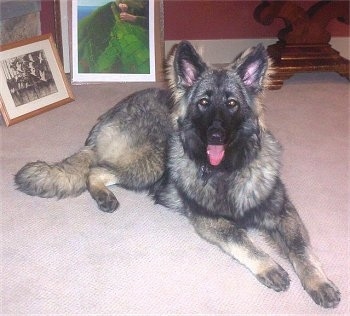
<point>201,148</point>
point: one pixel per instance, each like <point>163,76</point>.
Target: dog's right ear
<point>188,65</point>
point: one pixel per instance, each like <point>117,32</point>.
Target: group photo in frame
<point>32,79</point>
<point>114,41</point>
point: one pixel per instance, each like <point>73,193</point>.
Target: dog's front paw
<point>275,278</point>
<point>325,294</point>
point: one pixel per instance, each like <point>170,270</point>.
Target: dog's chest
<point>220,193</point>
<point>217,194</point>
<point>208,192</point>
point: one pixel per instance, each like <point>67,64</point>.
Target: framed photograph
<point>115,41</point>
<point>32,80</point>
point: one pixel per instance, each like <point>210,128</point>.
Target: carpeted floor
<point>68,257</point>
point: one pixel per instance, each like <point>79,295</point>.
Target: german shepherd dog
<point>201,148</point>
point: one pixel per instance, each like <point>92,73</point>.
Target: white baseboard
<point>342,45</point>
<point>225,50</point>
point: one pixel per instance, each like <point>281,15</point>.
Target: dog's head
<point>217,111</point>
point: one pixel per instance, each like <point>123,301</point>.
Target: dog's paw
<point>325,294</point>
<point>275,278</point>
<point>106,201</point>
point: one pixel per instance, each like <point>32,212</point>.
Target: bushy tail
<point>62,179</point>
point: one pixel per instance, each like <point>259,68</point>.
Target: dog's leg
<point>292,237</point>
<point>98,179</point>
<point>235,242</point>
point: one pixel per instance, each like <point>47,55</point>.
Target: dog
<point>201,148</point>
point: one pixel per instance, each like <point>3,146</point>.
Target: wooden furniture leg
<point>303,44</point>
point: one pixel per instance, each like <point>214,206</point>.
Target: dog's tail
<point>62,179</point>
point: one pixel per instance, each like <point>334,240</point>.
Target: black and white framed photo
<point>32,79</point>
<point>115,41</point>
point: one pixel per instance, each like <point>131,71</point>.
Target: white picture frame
<point>87,75</point>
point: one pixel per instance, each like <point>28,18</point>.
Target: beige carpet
<point>68,257</point>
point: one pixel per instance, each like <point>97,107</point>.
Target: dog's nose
<point>216,134</point>
<point>216,138</point>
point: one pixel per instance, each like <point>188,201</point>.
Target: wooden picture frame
<point>32,79</point>
<point>82,70</point>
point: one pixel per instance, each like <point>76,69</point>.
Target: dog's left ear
<point>188,65</point>
<point>252,66</point>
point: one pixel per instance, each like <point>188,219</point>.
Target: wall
<point>203,20</point>
<point>47,17</point>
<point>222,29</point>
<point>19,20</point>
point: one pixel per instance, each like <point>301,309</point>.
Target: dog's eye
<point>231,103</point>
<point>203,102</point>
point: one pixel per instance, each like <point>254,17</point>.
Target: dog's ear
<point>252,66</point>
<point>188,65</point>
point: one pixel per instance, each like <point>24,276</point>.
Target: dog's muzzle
<point>216,143</point>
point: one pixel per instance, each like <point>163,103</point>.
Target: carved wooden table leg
<point>303,44</point>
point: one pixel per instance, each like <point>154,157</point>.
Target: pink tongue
<point>215,154</point>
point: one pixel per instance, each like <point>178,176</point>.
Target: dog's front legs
<point>235,242</point>
<point>293,238</point>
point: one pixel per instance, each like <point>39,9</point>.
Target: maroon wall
<point>209,19</point>
<point>47,17</point>
<point>204,19</point>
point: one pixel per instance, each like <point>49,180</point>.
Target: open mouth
<point>215,154</point>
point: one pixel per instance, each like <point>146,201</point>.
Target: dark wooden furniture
<point>303,44</point>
